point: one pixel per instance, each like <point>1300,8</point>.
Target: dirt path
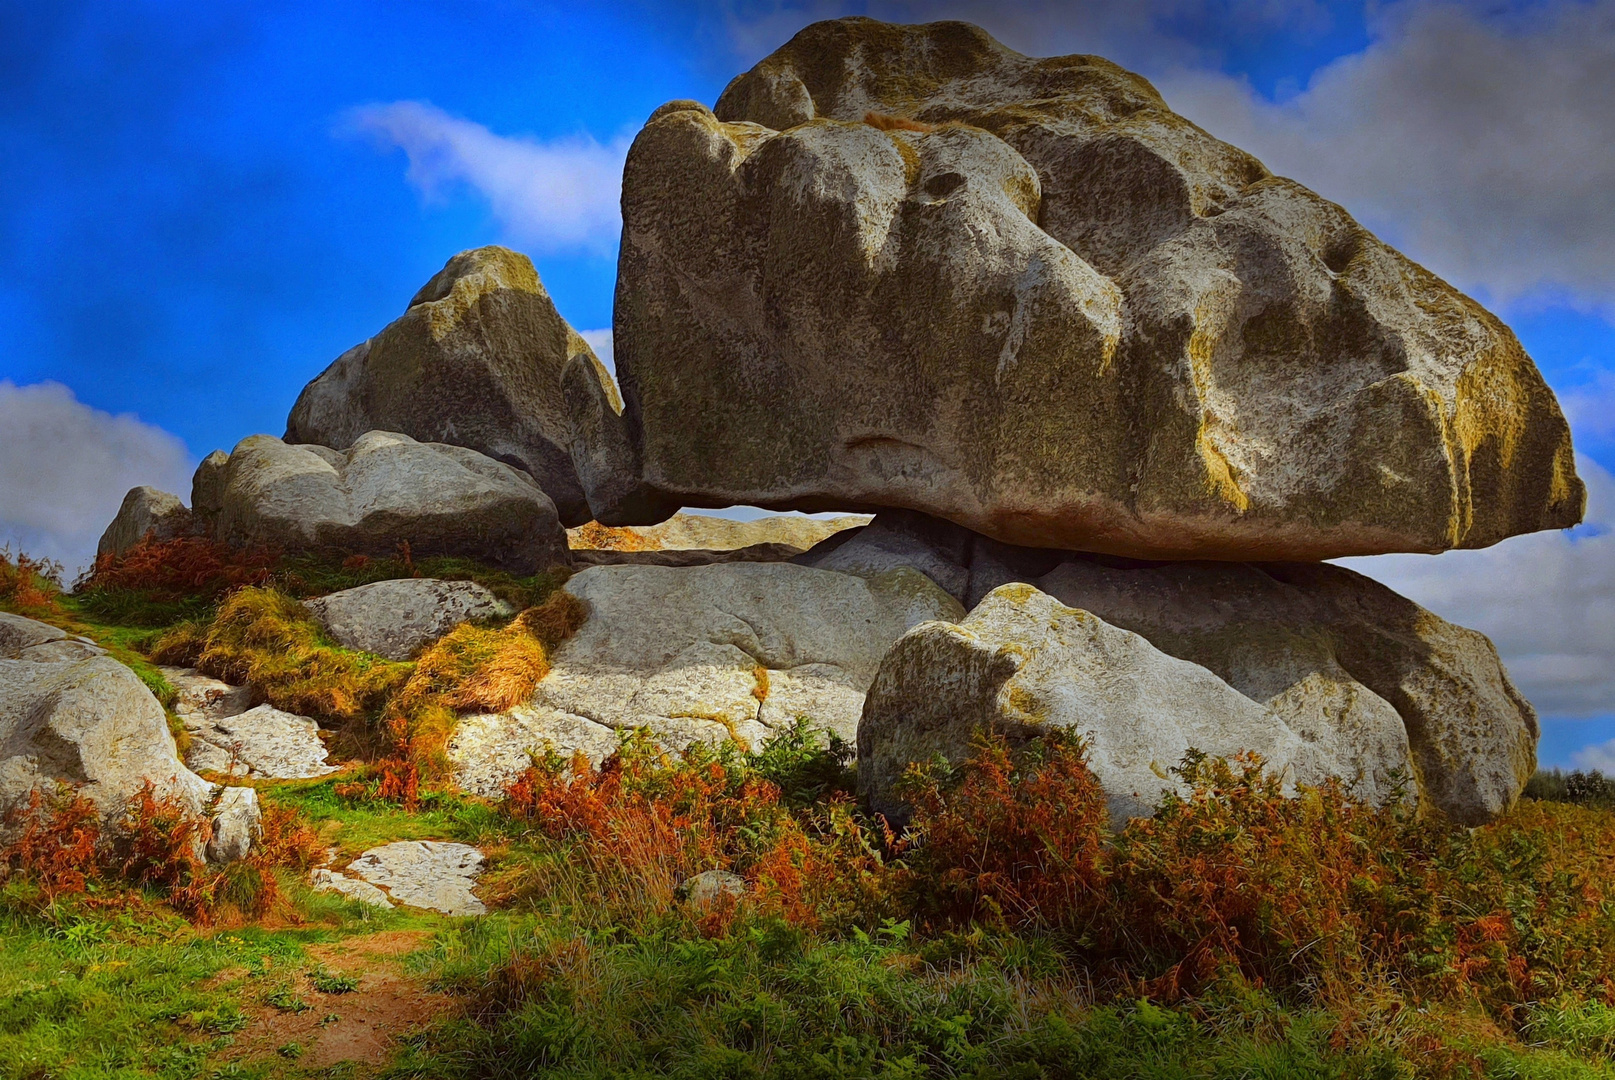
<point>360,1026</point>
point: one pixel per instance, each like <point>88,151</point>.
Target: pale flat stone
<point>397,618</point>
<point>263,743</point>
<point>200,700</point>
<point>428,874</point>
<point>325,880</point>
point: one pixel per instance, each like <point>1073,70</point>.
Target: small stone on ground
<point>428,874</point>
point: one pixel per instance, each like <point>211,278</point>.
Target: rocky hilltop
<point>1110,389</point>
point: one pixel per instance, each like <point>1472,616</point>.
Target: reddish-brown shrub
<point>160,845</point>
<point>55,841</point>
<point>1016,840</point>
<point>184,567</point>
<point>58,843</point>
<point>30,586</point>
<point>645,821</point>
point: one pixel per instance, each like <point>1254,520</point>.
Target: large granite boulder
<point>145,512</point>
<point>475,361</point>
<point>1022,662</point>
<point>90,723</point>
<point>383,490</point>
<point>1047,308</point>
<point>730,651</point>
<point>397,618</point>
<point>1337,656</point>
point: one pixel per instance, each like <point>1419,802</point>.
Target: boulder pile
<point>1111,389</point>
<point>475,361</point>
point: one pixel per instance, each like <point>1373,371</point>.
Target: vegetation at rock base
<point>1237,933</point>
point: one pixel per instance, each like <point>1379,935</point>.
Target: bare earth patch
<point>361,1026</point>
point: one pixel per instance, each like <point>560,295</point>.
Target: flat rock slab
<point>396,618</point>
<point>703,532</point>
<point>430,874</point>
<point>325,880</point>
<point>264,743</point>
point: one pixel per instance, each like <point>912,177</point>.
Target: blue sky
<point>201,205</point>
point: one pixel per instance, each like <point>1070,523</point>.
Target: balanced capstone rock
<point>1047,308</point>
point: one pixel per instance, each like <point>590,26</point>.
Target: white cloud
<point>1546,599</point>
<point>1483,147</point>
<point>556,195</point>
<point>1600,757</point>
<point>1590,407</point>
<point>65,467</point>
<point>600,342</point>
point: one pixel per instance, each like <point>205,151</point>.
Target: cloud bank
<point>552,196</point>
<point>65,467</point>
<point>1483,147</point>
<point>1546,599</point>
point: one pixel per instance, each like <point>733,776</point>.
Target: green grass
<point>353,826</point>
<point>94,997</point>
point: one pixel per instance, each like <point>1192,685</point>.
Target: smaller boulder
<point>145,512</point>
<point>41,643</point>
<point>1022,663</point>
<point>384,490</point>
<point>938,549</point>
<point>705,890</point>
<point>92,724</point>
<point>396,618</point>
<point>236,823</point>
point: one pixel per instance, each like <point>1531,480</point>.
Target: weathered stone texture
<point>475,361</point>
<point>383,490</point>
<point>1065,317</point>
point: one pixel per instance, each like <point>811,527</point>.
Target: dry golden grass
<point>269,640</point>
<point>477,669</point>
